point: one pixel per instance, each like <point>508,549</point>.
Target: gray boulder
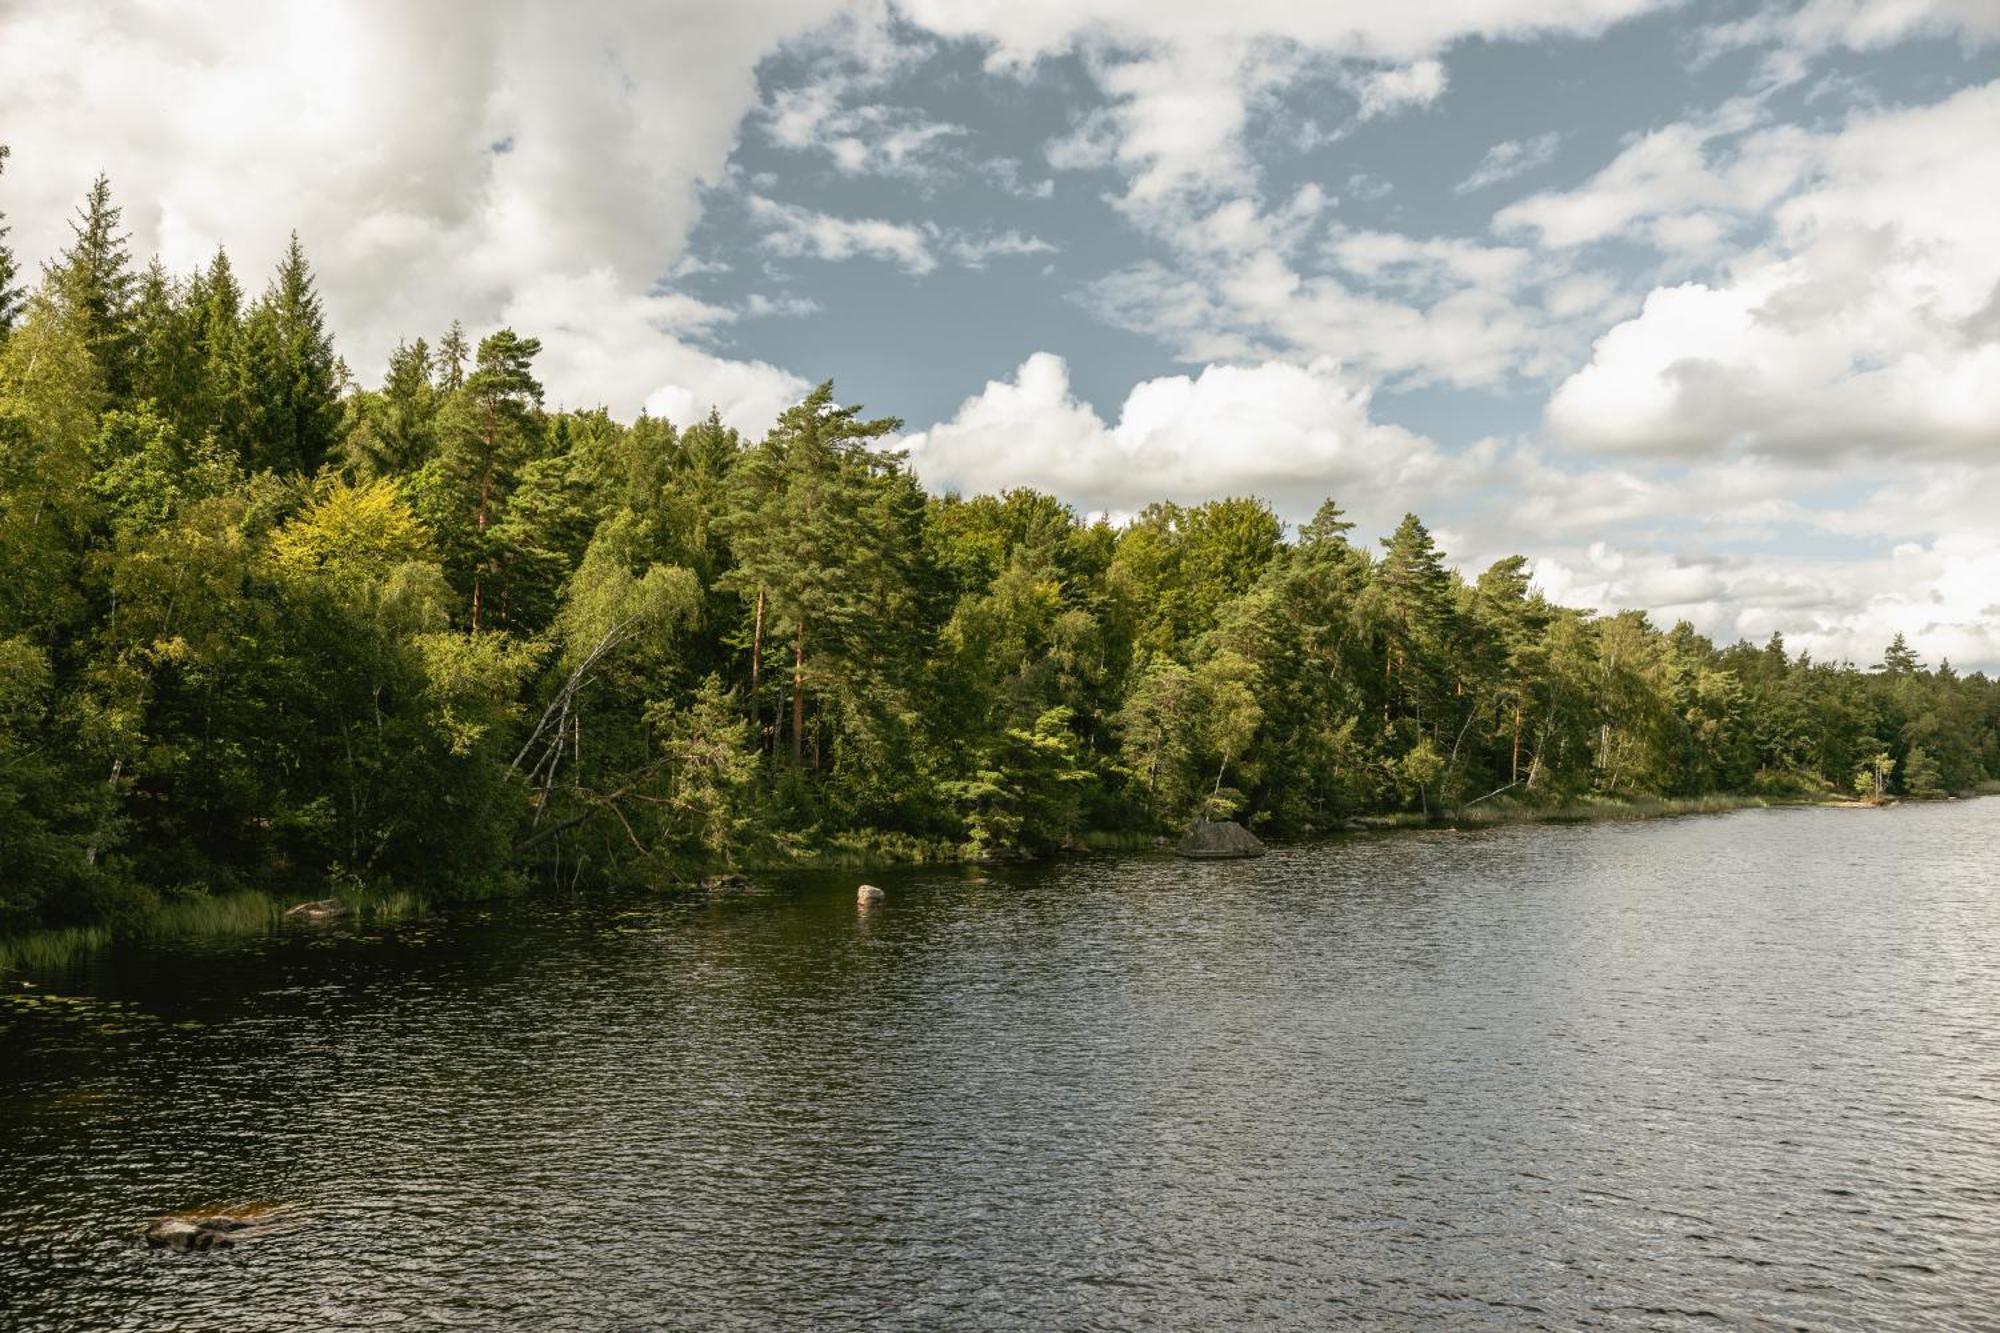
<point>867,896</point>
<point>1219,839</point>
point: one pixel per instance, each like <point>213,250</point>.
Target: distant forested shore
<point>262,628</point>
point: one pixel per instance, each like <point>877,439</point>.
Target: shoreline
<point>253,912</point>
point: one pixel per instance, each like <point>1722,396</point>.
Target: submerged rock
<point>212,1231</point>
<point>728,880</point>
<point>1214,840</point>
<point>326,909</point>
<point>867,896</point>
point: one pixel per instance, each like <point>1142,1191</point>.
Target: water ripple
<point>1727,1072</point>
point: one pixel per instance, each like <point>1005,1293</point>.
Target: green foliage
<point>1026,793</point>
<point>262,629</point>
<point>1922,778</point>
<point>288,363</point>
<point>93,282</point>
<point>10,272</point>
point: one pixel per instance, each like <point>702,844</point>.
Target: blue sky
<point>1696,304</point>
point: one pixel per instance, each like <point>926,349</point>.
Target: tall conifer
<point>296,393</point>
<point>94,279</point>
<point>10,287</point>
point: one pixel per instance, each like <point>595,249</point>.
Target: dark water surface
<point>1730,1071</point>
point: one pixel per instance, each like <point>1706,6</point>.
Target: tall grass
<point>48,950</point>
<point>1591,808</point>
<point>245,913</point>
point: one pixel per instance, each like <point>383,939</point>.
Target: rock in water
<point>1215,840</point>
<point>213,1229</point>
<point>206,1233</point>
<point>867,896</point>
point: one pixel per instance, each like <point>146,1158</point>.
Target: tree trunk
<point>756,664</point>
<point>1516,773</point>
<point>799,694</point>
<point>485,487</point>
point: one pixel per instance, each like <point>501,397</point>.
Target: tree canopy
<point>262,625</point>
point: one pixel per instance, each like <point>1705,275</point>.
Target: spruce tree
<point>166,350</point>
<point>225,379</point>
<point>10,287</point>
<point>295,387</point>
<point>451,356</point>
<point>93,279</point>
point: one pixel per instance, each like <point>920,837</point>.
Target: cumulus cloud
<point>1939,593</point>
<point>1669,174</point>
<point>1861,328</point>
<point>437,161</point>
<point>1293,434</point>
<point>633,349</point>
<point>1817,355</point>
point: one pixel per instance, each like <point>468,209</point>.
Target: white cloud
<point>604,344</point>
<point>1023,31</point>
<point>1293,434</point>
<point>1423,310</point>
<point>1861,25</point>
<point>1386,91</point>
<point>1666,176</point>
<point>1511,158</point>
<point>839,111</point>
<point>1183,76</point>
<point>372,128</point>
<point>1939,593</point>
<point>975,251</point>
<point>1862,328</point>
<point>794,231</point>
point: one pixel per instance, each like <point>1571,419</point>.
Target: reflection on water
<point>1737,1070</point>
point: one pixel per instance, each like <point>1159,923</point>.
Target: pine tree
<point>451,355</point>
<point>1899,659</point>
<point>815,542</point>
<point>1329,525</point>
<point>166,354</point>
<point>93,278</point>
<point>1411,604</point>
<point>296,391</point>
<point>10,287</point>
<point>394,431</point>
<point>217,299</point>
<point>486,434</point>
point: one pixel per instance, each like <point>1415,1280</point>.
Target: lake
<point>1736,1070</point>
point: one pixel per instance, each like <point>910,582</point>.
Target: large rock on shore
<point>1217,840</point>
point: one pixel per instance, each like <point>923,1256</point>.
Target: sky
<point>1695,303</point>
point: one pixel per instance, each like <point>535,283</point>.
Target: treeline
<point>261,627</point>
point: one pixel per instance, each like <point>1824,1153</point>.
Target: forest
<point>264,628</point>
